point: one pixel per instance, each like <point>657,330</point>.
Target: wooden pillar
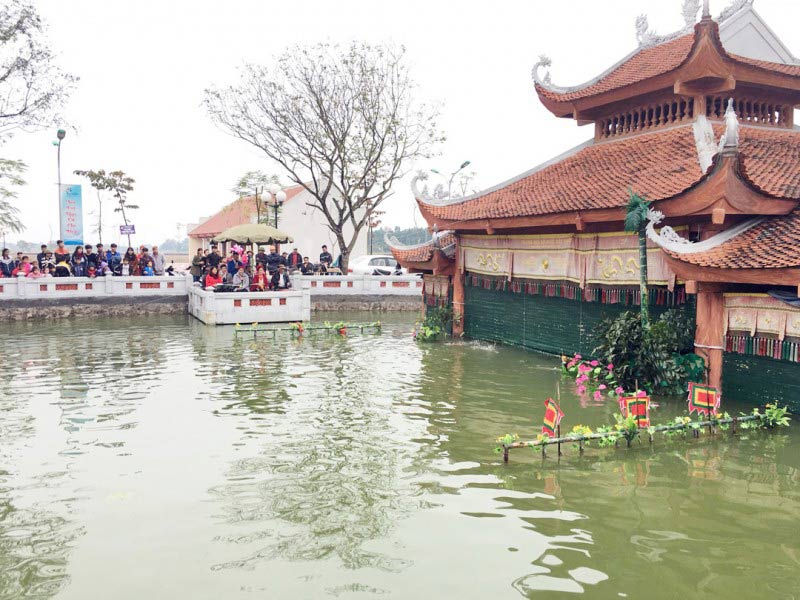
<point>708,337</point>
<point>458,292</point>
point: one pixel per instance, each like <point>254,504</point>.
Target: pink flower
<point>610,367</point>
<point>577,356</point>
<point>583,367</point>
<point>594,363</point>
<point>597,395</point>
<point>602,386</point>
<point>618,390</point>
<point>581,378</point>
<point>581,389</point>
<point>641,394</point>
<point>571,364</point>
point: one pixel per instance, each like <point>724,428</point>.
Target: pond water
<point>160,458</point>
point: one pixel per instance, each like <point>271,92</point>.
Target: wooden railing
<point>646,117</point>
<point>750,110</point>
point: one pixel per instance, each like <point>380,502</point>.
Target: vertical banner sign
<point>71,217</point>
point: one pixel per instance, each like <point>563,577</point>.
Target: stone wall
<point>380,303</point>
<point>31,310</point>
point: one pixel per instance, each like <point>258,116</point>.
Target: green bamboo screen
<point>556,325</point>
<point>761,379</point>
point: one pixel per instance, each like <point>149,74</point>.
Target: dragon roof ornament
<point>645,37</point>
<point>669,239</point>
<point>392,241</point>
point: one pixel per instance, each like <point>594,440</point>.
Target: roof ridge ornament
<point>689,11</point>
<point>706,10</point>
<point>705,142</point>
<point>420,194</point>
<point>670,240</point>
<point>733,8</point>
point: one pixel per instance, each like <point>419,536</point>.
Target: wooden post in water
<point>505,453</point>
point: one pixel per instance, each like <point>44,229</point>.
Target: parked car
<point>375,264</point>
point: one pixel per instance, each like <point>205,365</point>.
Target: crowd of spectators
<point>241,270</point>
<point>85,261</point>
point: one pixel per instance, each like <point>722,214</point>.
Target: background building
<point>307,225</point>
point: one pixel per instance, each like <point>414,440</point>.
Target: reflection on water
<point>162,458</point>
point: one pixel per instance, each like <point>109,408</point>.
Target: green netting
<point>760,379</point>
<point>548,324</point>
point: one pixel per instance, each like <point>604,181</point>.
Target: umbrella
<point>253,233</point>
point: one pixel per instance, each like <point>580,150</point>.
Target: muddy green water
<point>159,458</point>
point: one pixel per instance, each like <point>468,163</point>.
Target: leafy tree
<point>257,184</point>
<point>635,222</point>
<point>115,182</point>
<point>342,122</point>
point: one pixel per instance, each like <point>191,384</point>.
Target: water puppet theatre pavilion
<point>701,123</point>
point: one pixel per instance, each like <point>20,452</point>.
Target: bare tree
<point>11,172</point>
<point>32,87</point>
<point>342,122</point>
<point>32,91</point>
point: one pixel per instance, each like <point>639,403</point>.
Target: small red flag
<point>552,417</point>
<point>704,399</point>
<point>638,406</point>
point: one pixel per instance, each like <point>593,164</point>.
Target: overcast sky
<point>144,65</point>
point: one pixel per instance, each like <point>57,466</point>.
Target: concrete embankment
<point>62,308</point>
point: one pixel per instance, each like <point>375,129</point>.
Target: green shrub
<point>659,359</point>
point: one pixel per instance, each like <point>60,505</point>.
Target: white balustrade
<point>362,285</point>
<point>226,308</point>
<point>43,288</point>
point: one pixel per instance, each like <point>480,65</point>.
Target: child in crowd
<point>126,267</point>
<point>79,264</point>
<point>49,271</point>
<point>91,271</point>
<point>35,272</point>
<point>24,267</point>
<point>148,270</point>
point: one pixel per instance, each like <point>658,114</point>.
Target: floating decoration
<point>704,399</point>
<point>552,417</point>
<point>637,405</point>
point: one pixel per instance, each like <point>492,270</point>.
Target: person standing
<point>40,257</point>
<point>198,265</point>
<point>273,260</point>
<point>295,259</point>
<point>6,264</point>
<point>214,259</point>
<point>325,257</point>
<point>159,262</point>
<point>261,258</point>
<point>114,260</point>
<point>90,256</point>
<point>133,263</point>
<point>61,253</point>
<point>79,267</point>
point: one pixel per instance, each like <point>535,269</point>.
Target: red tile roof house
<point>700,122</point>
<point>296,218</point>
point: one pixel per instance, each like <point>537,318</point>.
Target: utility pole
<point>60,134</point>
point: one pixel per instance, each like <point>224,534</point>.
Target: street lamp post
<point>60,134</point>
<point>275,196</point>
<point>463,166</point>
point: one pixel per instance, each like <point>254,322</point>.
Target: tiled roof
<point>659,165</point>
<point>645,64</point>
<point>238,212</point>
<point>785,69</point>
<point>422,252</point>
<point>772,244</point>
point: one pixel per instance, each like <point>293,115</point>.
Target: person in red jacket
<point>260,281</point>
<point>213,278</point>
